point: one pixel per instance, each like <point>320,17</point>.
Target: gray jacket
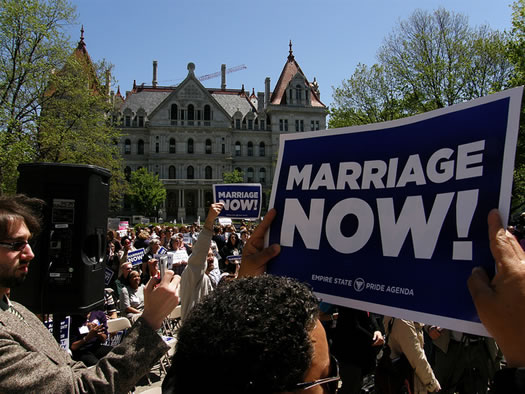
<point>31,361</point>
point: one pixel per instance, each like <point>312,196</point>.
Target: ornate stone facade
<point>190,135</point>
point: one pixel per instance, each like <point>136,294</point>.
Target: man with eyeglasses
<point>31,359</point>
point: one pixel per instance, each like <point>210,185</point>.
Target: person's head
<point>154,245</point>
<point>233,240</point>
<point>133,279</point>
<point>125,269</point>
<point>245,235</point>
<point>19,221</point>
<point>261,334</point>
<point>126,242</point>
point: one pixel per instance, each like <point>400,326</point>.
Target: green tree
<point>75,124</point>
<point>234,176</point>
<point>429,61</point>
<point>147,192</point>
<point>367,97</point>
<point>516,53</point>
<point>32,45</point>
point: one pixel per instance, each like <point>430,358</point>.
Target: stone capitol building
<point>190,135</point>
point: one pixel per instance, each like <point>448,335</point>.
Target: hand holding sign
<point>254,255</point>
<point>501,302</point>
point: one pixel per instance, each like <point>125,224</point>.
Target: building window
<point>127,147</point>
<point>208,147</point>
<point>250,124</point>
<point>250,148</point>
<point>262,125</point>
<point>223,149</point>
<point>190,145</point>
<point>312,125</point>
<point>191,114</point>
<point>128,121</point>
<point>262,175</point>
<point>262,149</point>
<point>281,124</point>
<point>127,173</point>
<point>297,125</point>
<point>140,147</point>
<point>237,148</point>
<point>301,125</point>
<point>249,175</point>
<point>190,172</point>
<point>298,91</point>
<point>157,147</point>
<point>207,172</point>
<point>173,147</point>
<point>174,112</point>
<point>317,125</point>
<point>172,173</point>
<point>207,115</point>
<point>238,124</point>
<point>134,124</point>
<point>141,121</point>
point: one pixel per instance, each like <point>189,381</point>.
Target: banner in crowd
<point>108,274</point>
<point>177,257</point>
<point>241,200</point>
<point>136,256</point>
<point>392,217</point>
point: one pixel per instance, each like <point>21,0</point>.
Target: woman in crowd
<point>233,247</point>
<point>88,337</point>
<point>132,297</point>
<point>406,337</point>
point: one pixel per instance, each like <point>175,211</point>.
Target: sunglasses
<point>17,246</point>
<point>332,383</point>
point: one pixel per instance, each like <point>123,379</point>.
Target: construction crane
<point>215,75</point>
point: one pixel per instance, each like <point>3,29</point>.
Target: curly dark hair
<point>250,336</point>
<point>18,209</point>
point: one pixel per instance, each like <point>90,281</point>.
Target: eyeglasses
<point>332,383</point>
<point>17,246</point>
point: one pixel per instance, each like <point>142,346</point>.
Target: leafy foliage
<point>429,61</point>
<point>32,45</point>
<point>75,126</point>
<point>235,176</point>
<point>147,192</point>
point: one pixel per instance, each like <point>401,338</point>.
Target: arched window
<point>173,146</point>
<point>249,174</point>
<point>174,113</point>
<point>190,172</point>
<point>191,112</point>
<point>127,173</point>
<point>127,147</point>
<point>190,145</point>
<point>262,175</point>
<point>208,172</point>
<point>140,147</point>
<point>207,112</point>
<point>237,148</point>
<point>208,146</point>
<point>262,149</point>
<point>250,148</point>
<point>172,173</point>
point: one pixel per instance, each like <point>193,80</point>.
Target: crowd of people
<point>244,331</point>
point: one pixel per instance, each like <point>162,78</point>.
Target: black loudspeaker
<point>67,273</point>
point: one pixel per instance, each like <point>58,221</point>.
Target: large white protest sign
<point>392,217</point>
